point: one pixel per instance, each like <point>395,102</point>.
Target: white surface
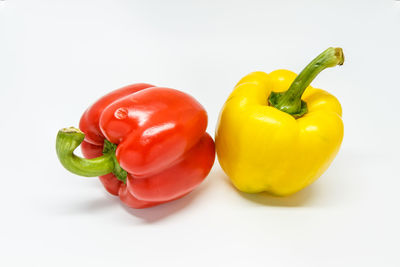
<point>57,57</point>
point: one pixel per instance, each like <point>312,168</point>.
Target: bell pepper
<point>276,133</point>
<point>148,144</point>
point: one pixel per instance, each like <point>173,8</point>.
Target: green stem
<point>68,139</point>
<point>290,100</point>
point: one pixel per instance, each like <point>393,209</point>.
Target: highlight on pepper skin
<point>147,144</point>
<point>276,133</point>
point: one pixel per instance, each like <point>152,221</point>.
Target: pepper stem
<point>68,139</point>
<point>290,100</point>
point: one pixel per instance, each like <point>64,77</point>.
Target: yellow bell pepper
<point>276,133</point>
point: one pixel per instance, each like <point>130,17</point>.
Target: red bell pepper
<point>148,144</point>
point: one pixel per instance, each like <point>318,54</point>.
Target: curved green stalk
<point>290,100</point>
<point>68,139</point>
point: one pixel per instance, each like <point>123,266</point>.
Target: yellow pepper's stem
<point>290,100</point>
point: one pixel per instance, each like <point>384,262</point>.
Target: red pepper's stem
<point>290,100</point>
<point>68,139</point>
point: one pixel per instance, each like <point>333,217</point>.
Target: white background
<point>57,57</point>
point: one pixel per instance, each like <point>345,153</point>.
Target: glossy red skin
<point>161,142</point>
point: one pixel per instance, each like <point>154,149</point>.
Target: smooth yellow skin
<point>262,148</point>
